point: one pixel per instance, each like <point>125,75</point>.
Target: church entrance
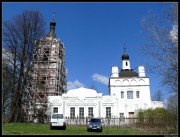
<point>131,117</point>
<point>131,114</point>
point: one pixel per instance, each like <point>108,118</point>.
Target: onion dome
<point>125,56</point>
<point>52,29</point>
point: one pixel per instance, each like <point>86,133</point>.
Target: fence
<point>124,122</point>
<point>106,121</point>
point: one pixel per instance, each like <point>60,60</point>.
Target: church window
<point>81,112</point>
<point>121,114</point>
<point>55,109</point>
<point>90,112</point>
<point>129,94</point>
<point>137,94</point>
<point>126,63</point>
<point>122,94</point>
<point>108,112</point>
<point>72,112</point>
<point>122,118</point>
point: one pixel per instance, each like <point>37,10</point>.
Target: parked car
<point>57,120</point>
<point>94,124</point>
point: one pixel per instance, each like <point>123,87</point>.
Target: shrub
<point>158,117</point>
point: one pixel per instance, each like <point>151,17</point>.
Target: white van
<point>57,120</point>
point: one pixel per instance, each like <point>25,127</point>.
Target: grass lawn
<point>44,129</point>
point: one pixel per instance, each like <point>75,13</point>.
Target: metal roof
<point>128,73</point>
<point>52,29</point>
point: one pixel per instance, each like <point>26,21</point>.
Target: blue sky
<point>94,35</point>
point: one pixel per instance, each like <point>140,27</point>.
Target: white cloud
<point>174,34</point>
<point>73,85</point>
<point>8,58</point>
<point>6,55</point>
<point>100,78</point>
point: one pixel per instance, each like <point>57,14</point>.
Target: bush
<point>158,117</point>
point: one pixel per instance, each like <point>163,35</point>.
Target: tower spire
<point>53,15</point>
<point>52,27</point>
<point>124,48</point>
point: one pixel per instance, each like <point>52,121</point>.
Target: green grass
<point>44,129</point>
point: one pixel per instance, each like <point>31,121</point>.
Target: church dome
<point>79,92</point>
<point>52,29</point>
<point>128,73</point>
<point>125,56</point>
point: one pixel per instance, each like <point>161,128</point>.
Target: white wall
<point>99,103</point>
<point>155,104</point>
<point>134,84</point>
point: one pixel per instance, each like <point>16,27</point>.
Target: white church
<point>129,91</point>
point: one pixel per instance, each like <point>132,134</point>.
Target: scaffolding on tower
<point>48,75</point>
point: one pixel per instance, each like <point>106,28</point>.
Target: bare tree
<point>158,96</point>
<point>162,34</point>
<point>162,46</point>
<point>172,105</point>
<point>19,35</point>
<point>5,89</point>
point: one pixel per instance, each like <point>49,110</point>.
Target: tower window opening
<point>46,53</point>
<point>126,63</point>
<point>43,80</point>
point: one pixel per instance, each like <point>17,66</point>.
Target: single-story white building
<point>84,102</point>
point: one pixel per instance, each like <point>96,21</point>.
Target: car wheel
<point>64,127</point>
<point>51,127</point>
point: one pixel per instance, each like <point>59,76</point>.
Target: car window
<point>57,116</point>
<point>96,120</point>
